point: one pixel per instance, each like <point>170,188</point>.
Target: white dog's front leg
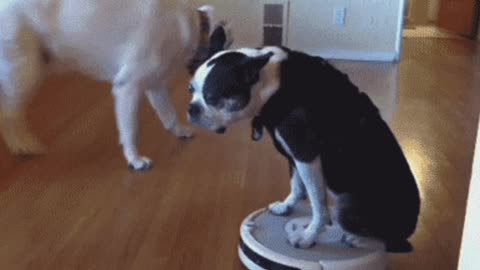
<point>160,101</point>
<point>314,181</point>
<point>127,99</point>
<point>297,193</point>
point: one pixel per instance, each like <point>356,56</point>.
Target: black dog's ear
<point>218,40</point>
<point>251,67</point>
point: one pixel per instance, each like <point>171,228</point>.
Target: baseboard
<point>357,55</point>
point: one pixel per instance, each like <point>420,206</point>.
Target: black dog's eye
<point>191,89</point>
<point>212,100</point>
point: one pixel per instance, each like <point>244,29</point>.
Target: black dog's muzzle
<point>221,130</point>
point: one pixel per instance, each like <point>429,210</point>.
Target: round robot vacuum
<point>264,245</point>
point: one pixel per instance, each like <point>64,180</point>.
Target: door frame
<point>401,26</point>
<point>476,27</point>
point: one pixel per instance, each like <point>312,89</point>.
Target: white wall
<point>469,253</point>
<point>381,81</point>
<point>371,31</point>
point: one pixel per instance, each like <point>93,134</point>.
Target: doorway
<point>441,19</point>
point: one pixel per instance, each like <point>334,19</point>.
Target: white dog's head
<point>234,85</point>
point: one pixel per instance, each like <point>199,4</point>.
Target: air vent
<point>275,23</point>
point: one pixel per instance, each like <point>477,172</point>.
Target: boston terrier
<point>331,133</point>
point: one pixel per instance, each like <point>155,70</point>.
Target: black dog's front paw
<point>280,209</point>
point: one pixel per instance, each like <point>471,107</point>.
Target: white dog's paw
<point>25,145</point>
<point>140,164</point>
<point>302,238</point>
<point>183,132</point>
<point>280,209</point>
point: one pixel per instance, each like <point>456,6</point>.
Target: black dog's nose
<point>194,110</point>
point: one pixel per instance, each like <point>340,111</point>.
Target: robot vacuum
<point>264,246</point>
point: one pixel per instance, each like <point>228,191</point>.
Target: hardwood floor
<point>79,207</point>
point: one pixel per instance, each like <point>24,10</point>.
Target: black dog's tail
<point>399,246</point>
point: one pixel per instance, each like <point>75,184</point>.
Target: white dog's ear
<point>205,17</point>
<point>208,10</point>
<point>211,41</point>
<point>221,37</point>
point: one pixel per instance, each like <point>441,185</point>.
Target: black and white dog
<point>331,133</point>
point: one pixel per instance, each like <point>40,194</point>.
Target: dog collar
<point>257,128</point>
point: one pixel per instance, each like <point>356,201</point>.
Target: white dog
<point>136,45</point>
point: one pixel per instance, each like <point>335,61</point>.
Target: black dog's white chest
<point>281,143</point>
